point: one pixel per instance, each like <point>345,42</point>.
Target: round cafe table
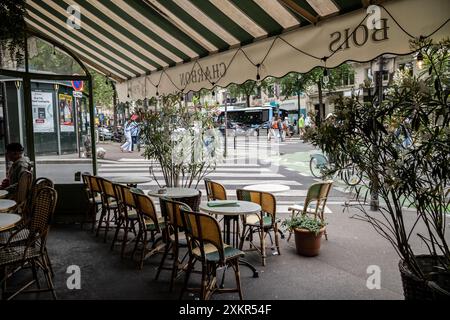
<point>174,193</point>
<point>268,187</point>
<point>231,213</point>
<point>8,221</point>
<point>3,194</point>
<point>190,196</point>
<point>129,181</point>
<point>6,204</point>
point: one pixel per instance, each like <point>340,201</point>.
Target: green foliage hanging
<point>12,30</point>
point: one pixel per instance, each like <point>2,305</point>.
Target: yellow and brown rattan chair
<point>93,192</point>
<point>175,237</point>
<point>23,191</point>
<point>206,246</point>
<point>149,222</point>
<point>127,218</point>
<point>215,190</point>
<point>15,257</point>
<point>315,202</point>
<point>109,205</point>
<point>263,223</point>
<point>38,184</point>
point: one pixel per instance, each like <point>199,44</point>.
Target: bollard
<point>234,142</point>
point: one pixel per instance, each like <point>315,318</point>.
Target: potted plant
<point>181,139</point>
<point>308,232</point>
<point>401,146</point>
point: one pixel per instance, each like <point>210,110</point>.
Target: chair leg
<point>125,238</point>
<point>48,278</point>
<point>108,218</point>
<point>241,242</point>
<point>161,264</point>
<point>100,220</point>
<point>138,239</point>
<point>35,274</point>
<point>204,282</point>
<point>116,234</point>
<point>188,274</point>
<point>144,248</point>
<point>263,246</point>
<point>277,241</point>
<point>174,266</point>
<point>49,263</point>
<point>237,275</point>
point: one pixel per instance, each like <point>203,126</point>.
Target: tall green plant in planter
<point>12,32</point>
<point>182,140</point>
<point>403,146</point>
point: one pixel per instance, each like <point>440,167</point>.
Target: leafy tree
<point>103,90</point>
<point>247,89</point>
<point>293,84</point>
<point>12,27</point>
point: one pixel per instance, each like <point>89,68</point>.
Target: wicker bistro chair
<point>108,206</point>
<point>315,202</point>
<point>38,184</point>
<point>16,257</point>
<point>175,237</point>
<point>22,236</point>
<point>149,222</point>
<point>23,191</point>
<point>263,223</point>
<point>127,218</point>
<point>205,244</point>
<point>214,191</point>
<point>93,192</point>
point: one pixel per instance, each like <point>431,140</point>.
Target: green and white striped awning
<point>165,46</point>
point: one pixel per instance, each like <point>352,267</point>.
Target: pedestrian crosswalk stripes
<point>250,163</point>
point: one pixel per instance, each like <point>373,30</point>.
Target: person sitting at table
<point>20,163</point>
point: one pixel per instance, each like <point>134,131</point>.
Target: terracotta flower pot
<point>307,242</point>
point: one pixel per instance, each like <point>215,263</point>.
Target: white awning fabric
<point>328,43</point>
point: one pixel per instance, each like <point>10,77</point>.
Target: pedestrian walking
<point>280,128</point>
<point>134,134</point>
<point>301,126</point>
<point>273,129</point>
<point>126,147</point>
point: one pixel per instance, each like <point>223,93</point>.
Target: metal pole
<point>374,201</point>
<point>76,126</point>
<point>92,126</point>
<point>58,119</point>
<point>19,111</point>
<point>5,118</point>
<point>28,105</point>
<point>114,105</point>
<point>226,124</point>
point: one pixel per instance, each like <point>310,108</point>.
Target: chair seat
<point>20,236</point>
<point>212,255</point>
<point>14,254</point>
<point>310,209</point>
<point>253,220</point>
<point>151,225</point>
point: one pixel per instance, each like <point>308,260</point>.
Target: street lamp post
<point>226,125</point>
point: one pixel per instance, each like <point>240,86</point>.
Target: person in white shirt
<point>126,147</point>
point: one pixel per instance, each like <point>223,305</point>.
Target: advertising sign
<point>42,103</point>
<point>66,113</point>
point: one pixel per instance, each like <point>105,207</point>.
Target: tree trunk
<point>114,107</point>
<point>247,98</point>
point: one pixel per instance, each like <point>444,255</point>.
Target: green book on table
<point>222,203</point>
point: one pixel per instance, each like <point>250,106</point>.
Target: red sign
<point>78,85</point>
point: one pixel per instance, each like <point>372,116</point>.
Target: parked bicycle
<point>320,167</point>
